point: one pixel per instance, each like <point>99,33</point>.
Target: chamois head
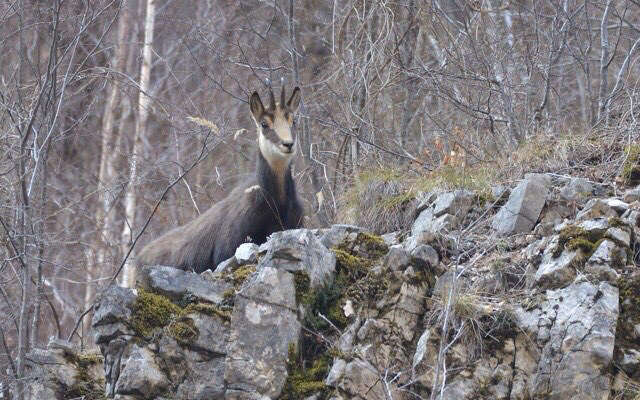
<point>276,133</point>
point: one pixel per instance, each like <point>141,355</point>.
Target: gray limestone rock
<point>336,372</point>
<point>500,193</point>
<point>456,203</point>
<point>397,259</point>
<point>428,227</point>
<point>577,190</point>
<point>213,333</point>
<point>227,265</point>
<point>521,212</point>
<point>362,381</point>
<point>575,345</point>
<point>55,373</point>
<point>246,253</point>
<point>140,375</point>
<point>299,250</point>
<point>618,205</point>
<point>632,195</point>
<point>425,256</point>
<point>205,381</point>
<point>263,325</point>
<point>338,234</point>
<point>180,285</point>
<point>108,314</point>
<point>391,238</point>
<point>555,272</point>
<point>596,208</point>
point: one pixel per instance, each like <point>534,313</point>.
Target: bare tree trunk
<point>144,102</point>
<point>306,134</point>
<point>604,62</point>
<point>105,219</point>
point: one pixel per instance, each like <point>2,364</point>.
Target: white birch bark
<point>144,102</point>
<point>604,61</point>
<point>105,220</point>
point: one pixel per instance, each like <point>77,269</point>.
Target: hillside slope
<point>530,293</point>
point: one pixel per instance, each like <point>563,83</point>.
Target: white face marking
<point>273,153</point>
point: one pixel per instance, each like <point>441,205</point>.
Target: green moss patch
<point>151,311</point>
<point>183,330</point>
<point>305,380</point>
<point>576,238</point>
<point>629,289</point>
<point>353,263</point>
<point>209,309</point>
<point>362,251</point>
<point>304,294</point>
<point>241,274</point>
<point>85,386</point>
<point>630,173</point>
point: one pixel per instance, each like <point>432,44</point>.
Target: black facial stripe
<point>271,135</point>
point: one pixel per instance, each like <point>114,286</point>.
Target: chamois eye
<point>264,125</point>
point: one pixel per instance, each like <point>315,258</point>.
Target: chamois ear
<point>255,104</point>
<point>294,100</point>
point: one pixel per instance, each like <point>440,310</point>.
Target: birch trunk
<point>604,63</point>
<point>144,101</point>
<point>105,220</point>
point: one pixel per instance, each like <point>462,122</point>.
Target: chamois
<point>265,203</point>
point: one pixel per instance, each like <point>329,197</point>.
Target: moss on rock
<point>629,289</point>
<point>210,309</point>
<point>353,263</point>
<point>630,173</point>
<point>150,311</point>
<point>304,294</point>
<point>85,385</point>
<point>303,381</point>
<point>576,238</point>
<point>183,330</point>
<point>242,273</point>
<point>373,245</point>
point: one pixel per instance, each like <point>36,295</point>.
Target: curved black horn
<point>272,100</point>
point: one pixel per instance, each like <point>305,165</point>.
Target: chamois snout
<point>287,146</point>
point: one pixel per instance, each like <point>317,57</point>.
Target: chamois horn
<point>282,96</point>
<point>272,99</point>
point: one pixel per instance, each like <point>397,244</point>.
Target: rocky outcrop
<point>460,308</point>
<point>63,371</point>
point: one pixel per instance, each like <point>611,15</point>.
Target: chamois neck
<point>275,180</point>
